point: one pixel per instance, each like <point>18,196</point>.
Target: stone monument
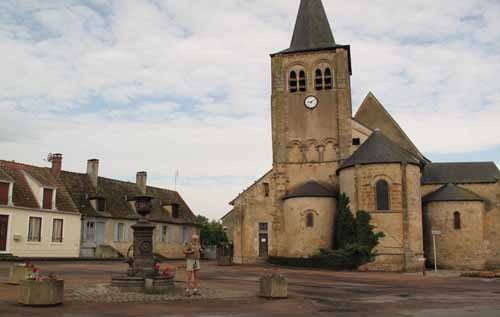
<point>142,263</point>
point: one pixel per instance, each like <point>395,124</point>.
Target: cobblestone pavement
<point>232,291</point>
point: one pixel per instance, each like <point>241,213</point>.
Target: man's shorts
<point>192,265</point>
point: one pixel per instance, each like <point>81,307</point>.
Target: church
<point>321,149</point>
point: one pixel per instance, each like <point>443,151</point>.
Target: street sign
<point>436,232</point>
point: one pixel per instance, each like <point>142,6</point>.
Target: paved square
<point>312,292</point>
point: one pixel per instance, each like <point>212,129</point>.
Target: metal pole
<point>435,253</point>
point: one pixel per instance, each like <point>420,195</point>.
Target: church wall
<point>359,184</point>
<point>328,125</point>
<point>250,209</point>
<point>462,248</point>
<point>491,237</point>
<point>305,241</point>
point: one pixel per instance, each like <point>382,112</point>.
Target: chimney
<point>56,164</point>
<point>93,171</point>
<point>141,180</point>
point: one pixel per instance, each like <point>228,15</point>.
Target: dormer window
<point>175,211</point>
<point>4,193</point>
<point>48,199</point>
<point>100,204</point>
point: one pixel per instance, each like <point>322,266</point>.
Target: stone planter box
<point>41,293</point>
<point>273,286</point>
<point>19,273</point>
<point>180,275</point>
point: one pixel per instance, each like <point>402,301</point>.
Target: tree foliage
<point>211,232</point>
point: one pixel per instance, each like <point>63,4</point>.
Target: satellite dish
<point>49,157</point>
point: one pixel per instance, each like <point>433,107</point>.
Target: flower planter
<point>18,273</point>
<point>273,286</point>
<point>41,293</point>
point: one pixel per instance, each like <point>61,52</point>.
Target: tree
<point>211,232</point>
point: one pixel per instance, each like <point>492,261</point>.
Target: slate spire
<point>312,29</point>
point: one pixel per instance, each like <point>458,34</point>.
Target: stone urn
<point>273,285</point>
<point>41,293</point>
<point>19,272</point>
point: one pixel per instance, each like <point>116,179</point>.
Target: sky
<point>184,85</point>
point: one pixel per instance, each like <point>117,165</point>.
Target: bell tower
<point>311,95</point>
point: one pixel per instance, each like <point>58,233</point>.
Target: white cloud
<point>162,85</point>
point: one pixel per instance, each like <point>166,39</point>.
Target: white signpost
<point>434,234</point>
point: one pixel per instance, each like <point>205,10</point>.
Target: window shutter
<point>47,198</point>
<point>126,228</point>
<point>4,193</point>
<point>115,232</point>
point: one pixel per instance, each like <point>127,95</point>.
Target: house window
<point>4,193</point>
<point>328,79</point>
<point>310,220</point>
<point>318,81</point>
<point>266,189</point>
<point>57,230</point>
<point>382,189</point>
<point>163,233</point>
<point>293,81</point>
<point>302,81</point>
<point>101,204</point>
<point>356,141</point>
<point>90,231</point>
<point>457,221</point>
<point>263,226</point>
<point>175,211</point>
<point>48,194</point>
<point>35,229</point>
<point>120,232</point>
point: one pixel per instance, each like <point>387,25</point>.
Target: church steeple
<point>312,29</point>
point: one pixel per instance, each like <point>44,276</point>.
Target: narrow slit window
<point>328,79</point>
<point>318,81</point>
<point>382,189</point>
<point>310,220</point>
<point>457,221</point>
<point>293,81</point>
<point>302,81</point>
<point>266,189</point>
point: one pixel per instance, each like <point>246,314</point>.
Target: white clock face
<point>311,102</point>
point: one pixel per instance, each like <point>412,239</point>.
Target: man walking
<point>192,251</point>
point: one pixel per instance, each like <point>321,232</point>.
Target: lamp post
<point>143,239</point>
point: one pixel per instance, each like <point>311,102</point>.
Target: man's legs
<point>196,277</point>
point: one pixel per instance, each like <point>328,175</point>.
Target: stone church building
<point>320,149</point>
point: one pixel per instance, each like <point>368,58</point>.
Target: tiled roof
<point>116,194</point>
<point>23,196</point>
<point>312,29</point>
<point>379,149</point>
<point>460,173</point>
<point>311,189</point>
<point>451,192</point>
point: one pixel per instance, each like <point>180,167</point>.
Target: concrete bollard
<point>41,293</point>
<point>19,272</point>
<point>273,286</point>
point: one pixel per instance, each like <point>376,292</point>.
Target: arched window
<point>302,81</point>
<point>318,81</point>
<point>328,79</point>
<point>382,189</point>
<point>310,220</point>
<point>457,222</point>
<point>293,81</point>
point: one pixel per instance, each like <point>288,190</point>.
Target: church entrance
<point>4,224</point>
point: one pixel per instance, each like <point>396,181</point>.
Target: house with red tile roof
<point>48,212</point>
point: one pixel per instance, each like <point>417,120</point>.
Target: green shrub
<point>354,241</point>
